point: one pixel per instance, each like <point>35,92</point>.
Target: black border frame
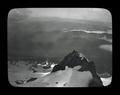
<point>79,4</point>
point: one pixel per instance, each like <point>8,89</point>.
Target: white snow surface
<point>106,81</point>
<point>67,78</point>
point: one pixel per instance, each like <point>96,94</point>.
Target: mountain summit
<point>75,58</point>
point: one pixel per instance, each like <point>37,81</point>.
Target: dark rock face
<point>18,82</point>
<point>75,59</point>
<point>31,79</point>
<point>46,67</point>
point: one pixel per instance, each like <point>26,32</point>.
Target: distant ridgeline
<point>33,59</point>
<point>77,59</point>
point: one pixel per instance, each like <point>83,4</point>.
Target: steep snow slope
<point>63,78</point>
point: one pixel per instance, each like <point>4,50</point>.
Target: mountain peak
<point>75,58</point>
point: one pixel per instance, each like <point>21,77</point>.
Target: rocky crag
<point>75,58</point>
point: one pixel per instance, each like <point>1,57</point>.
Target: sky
<point>95,14</point>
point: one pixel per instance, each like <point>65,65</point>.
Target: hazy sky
<point>97,14</point>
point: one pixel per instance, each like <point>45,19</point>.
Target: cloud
<point>106,47</point>
<point>97,14</point>
<point>109,31</point>
<point>97,32</point>
<point>106,39</point>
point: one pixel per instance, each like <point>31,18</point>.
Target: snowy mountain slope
<point>75,70</point>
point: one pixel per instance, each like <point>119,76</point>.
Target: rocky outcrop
<point>75,58</point>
